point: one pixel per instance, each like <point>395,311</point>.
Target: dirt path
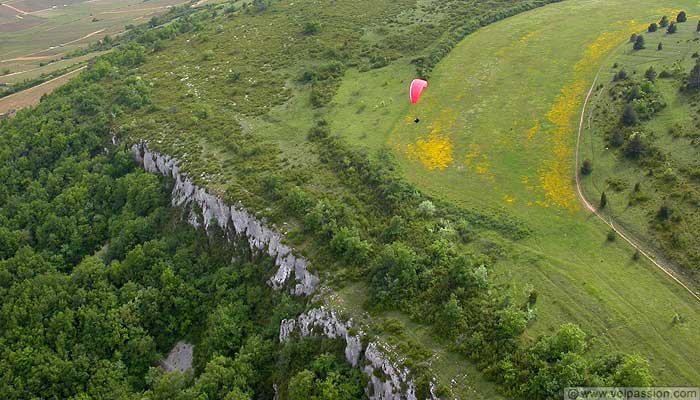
<point>609,222</point>
<point>15,9</point>
<point>31,96</point>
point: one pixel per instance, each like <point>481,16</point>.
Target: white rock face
<point>179,359</point>
<point>206,209</point>
<point>393,383</point>
<point>324,322</point>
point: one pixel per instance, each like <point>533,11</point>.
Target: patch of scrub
<point>179,359</point>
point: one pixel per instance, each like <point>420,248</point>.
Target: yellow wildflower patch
<point>433,153</point>
<point>508,199</point>
<point>555,175</point>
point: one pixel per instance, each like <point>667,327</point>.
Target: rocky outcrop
<point>179,358</point>
<point>206,209</point>
<point>388,379</point>
<point>324,322</point>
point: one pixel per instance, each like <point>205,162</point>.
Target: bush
<point>653,27</point>
<point>682,17</point>
<point>650,74</point>
<point>621,75</point>
<point>208,55</point>
<point>639,43</point>
<point>629,115</point>
<point>616,139</point>
<point>636,148</point>
<point>612,235</point>
<point>672,28</point>
<point>426,208</point>
<point>587,167</point>
<point>312,27</point>
<point>664,22</point>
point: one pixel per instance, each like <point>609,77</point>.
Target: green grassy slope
<point>500,116</point>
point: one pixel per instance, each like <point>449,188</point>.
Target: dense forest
<point>99,277</point>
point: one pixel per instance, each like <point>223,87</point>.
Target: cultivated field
<point>32,96</point>
<point>36,33</point>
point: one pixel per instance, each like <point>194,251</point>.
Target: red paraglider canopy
<point>417,88</point>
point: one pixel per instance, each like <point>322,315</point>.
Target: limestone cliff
<point>206,208</point>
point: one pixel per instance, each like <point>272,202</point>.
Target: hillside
<point>653,187</point>
<point>328,239</point>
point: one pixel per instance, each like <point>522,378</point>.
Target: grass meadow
<point>497,132</point>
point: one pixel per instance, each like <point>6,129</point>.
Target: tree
<point>660,46</point>
<point>635,148</point>
<point>629,116</point>
<point>650,74</point>
<point>653,27</point>
<point>639,43</point>
<point>603,200</point>
<point>664,213</point>
<point>672,28</point>
<point>616,138</point>
<point>621,75</point>
<point>633,372</point>
<point>682,17</point>
<point>301,385</point>
<point>694,78</point>
<point>697,28</point>
<point>664,22</point>
<point>587,167</point>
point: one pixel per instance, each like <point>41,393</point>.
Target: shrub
<point>603,200</point>
<point>664,22</point>
<point>312,27</point>
<point>208,55</point>
<point>650,74</point>
<point>639,43</point>
<point>660,46</point>
<point>636,148</point>
<point>653,27</point>
<point>426,208</point>
<point>672,28</point>
<point>629,115</point>
<point>587,167</point>
<point>616,138</point>
<point>612,235</point>
<point>682,17</point>
<point>621,75</point>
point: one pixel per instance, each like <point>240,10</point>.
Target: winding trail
<point>609,222</point>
